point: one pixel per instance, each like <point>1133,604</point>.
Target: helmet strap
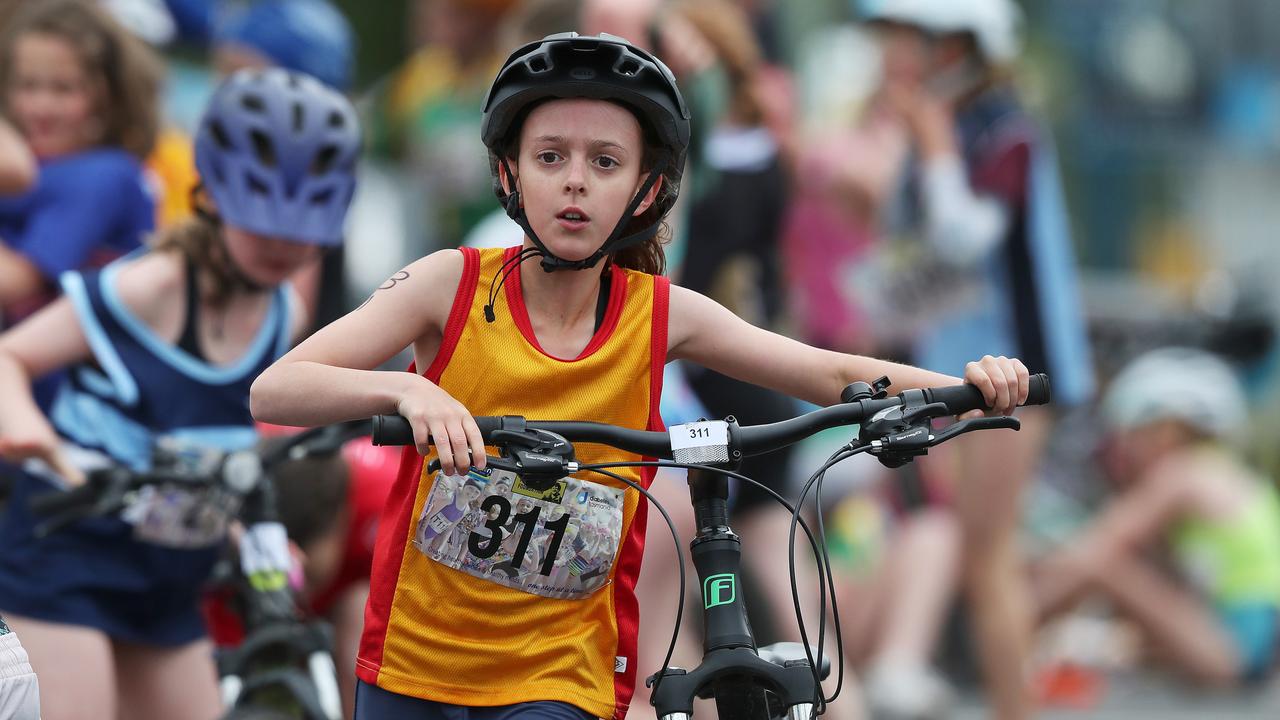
<point>616,241</point>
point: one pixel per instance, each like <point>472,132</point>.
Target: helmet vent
<point>323,160</point>
<point>538,64</point>
<point>323,197</point>
<point>219,134</point>
<point>252,103</point>
<point>336,120</point>
<point>629,67</point>
<point>263,148</point>
<point>297,117</point>
<point>256,186</point>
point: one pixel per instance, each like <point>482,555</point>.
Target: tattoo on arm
<point>390,283</point>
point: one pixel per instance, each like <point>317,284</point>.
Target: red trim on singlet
<point>628,571</point>
<point>520,313</point>
<point>658,348</point>
<point>458,314</point>
<point>388,551</point>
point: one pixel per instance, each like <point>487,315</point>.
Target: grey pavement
<point>1149,697</point>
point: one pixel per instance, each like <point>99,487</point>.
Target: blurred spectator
<point>427,113</point>
<point>739,188</point>
<point>309,36</point>
<point>1172,417</point>
<point>82,94</point>
<point>978,261</point>
<point>844,177</point>
<point>896,579</point>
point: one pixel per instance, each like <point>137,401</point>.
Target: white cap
<point>995,24</point>
<point>1180,384</point>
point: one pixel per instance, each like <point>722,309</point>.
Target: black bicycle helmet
<point>603,67</point>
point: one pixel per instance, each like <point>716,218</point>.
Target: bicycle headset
<point>601,67</point>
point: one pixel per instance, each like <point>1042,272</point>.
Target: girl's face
<point>1128,454</point>
<point>264,260</point>
<point>905,54</point>
<point>51,96</point>
<point>578,168</point>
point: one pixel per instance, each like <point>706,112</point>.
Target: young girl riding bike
<point>588,137</point>
<point>162,344</point>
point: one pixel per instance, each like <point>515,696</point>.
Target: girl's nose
<point>576,181</point>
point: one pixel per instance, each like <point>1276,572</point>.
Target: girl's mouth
<point>573,218</point>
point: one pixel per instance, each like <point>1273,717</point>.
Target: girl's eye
<point>606,162</point>
<point>548,157</point>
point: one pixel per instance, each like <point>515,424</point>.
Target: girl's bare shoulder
<point>151,283</point>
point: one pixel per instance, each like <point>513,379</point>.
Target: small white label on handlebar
<point>708,433</point>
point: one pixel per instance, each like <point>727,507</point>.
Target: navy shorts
<point>374,703</point>
<point>92,573</point>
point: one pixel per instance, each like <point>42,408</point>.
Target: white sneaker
<point>907,692</point>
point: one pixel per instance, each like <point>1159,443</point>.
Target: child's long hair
<point>126,72</point>
<point>198,239</point>
<point>726,27</point>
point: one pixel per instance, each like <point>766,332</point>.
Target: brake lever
<point>913,414</point>
<point>983,423</point>
<point>61,520</point>
<point>490,461</point>
<point>536,470</point>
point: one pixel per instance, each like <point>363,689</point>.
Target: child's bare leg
<point>994,467</point>
<point>75,668</point>
<point>1174,618</point>
<point>919,579</point>
<point>161,683</point>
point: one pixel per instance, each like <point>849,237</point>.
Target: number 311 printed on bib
<point>560,542</point>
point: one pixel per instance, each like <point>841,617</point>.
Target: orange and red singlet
<point>484,591</point>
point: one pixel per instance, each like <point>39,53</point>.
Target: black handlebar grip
<point>396,430</point>
<point>1038,390</point>
<point>391,430</point>
<point>963,398</point>
<point>52,503</point>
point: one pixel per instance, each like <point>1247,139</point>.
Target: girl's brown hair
<point>199,240</point>
<point>726,27</point>
<point>127,72</point>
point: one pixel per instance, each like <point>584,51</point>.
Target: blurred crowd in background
<point>813,204</point>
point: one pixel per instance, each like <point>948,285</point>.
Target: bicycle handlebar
<point>55,502</point>
<point>750,439</point>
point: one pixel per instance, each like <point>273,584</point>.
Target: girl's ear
<point>650,196</point>
<point>507,180</point>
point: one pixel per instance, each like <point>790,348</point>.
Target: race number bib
<point>559,542</point>
<point>180,518</point>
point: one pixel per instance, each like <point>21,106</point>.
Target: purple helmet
<point>277,151</point>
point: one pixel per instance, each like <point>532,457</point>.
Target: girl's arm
<point>49,340</point>
<point>20,279</point>
<point>330,376</point>
<point>704,332</point>
<point>17,164</point>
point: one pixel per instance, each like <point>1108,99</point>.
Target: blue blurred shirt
<point>86,210</point>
